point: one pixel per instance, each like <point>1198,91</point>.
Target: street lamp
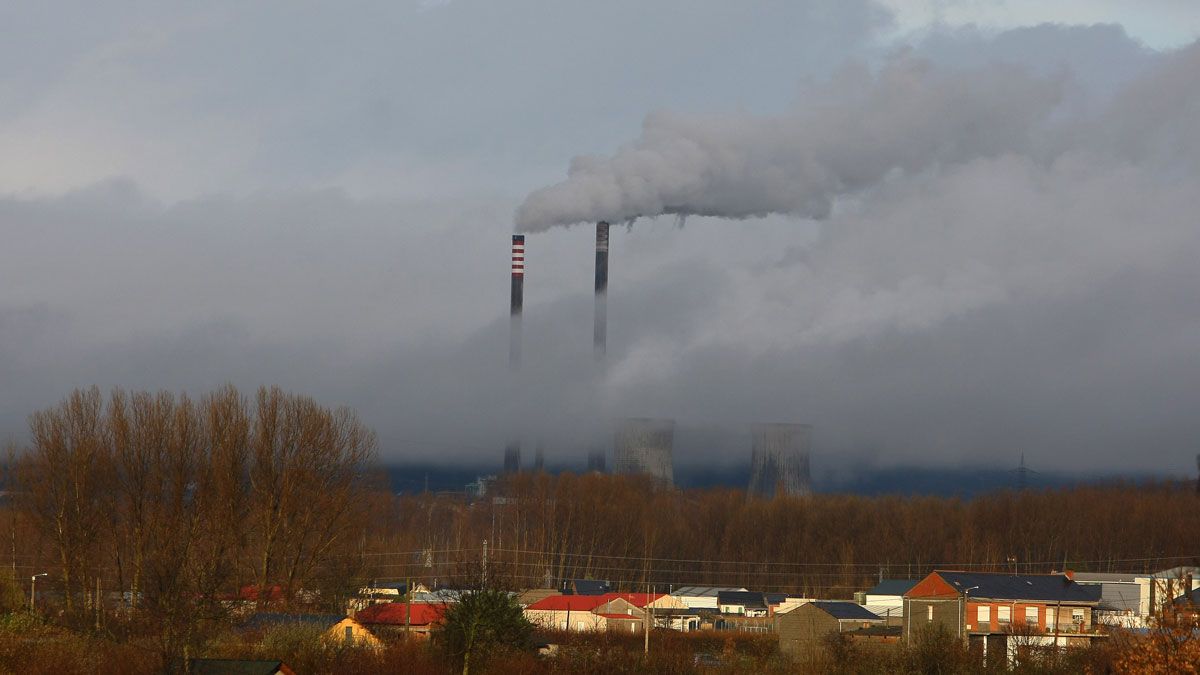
<point>33,590</point>
<point>962,626</point>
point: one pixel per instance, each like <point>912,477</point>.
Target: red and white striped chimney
<point>517,301</point>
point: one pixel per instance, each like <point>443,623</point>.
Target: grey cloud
<point>385,98</point>
<point>1031,291</point>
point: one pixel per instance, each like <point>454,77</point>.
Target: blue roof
<point>1039,587</point>
<point>893,587</point>
<point>745,598</point>
<point>586,587</point>
<point>846,610</point>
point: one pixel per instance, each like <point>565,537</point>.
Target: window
<point>1031,616</point>
<point>1051,619</point>
<point>930,608</point>
<point>983,615</point>
<point>633,628</point>
<point>1004,614</point>
<point>349,633</point>
<point>1077,616</point>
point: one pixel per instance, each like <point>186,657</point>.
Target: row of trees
<point>179,503</point>
<point>622,529</point>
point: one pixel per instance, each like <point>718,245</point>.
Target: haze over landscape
<point>942,233</point>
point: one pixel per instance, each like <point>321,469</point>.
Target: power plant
<point>779,460</point>
<point>644,446</point>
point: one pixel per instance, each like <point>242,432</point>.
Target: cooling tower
<point>595,461</point>
<point>512,458</point>
<point>779,460</point>
<point>517,301</point>
<point>600,323</point>
<point>643,446</point>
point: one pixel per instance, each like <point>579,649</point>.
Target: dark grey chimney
<point>600,326</point>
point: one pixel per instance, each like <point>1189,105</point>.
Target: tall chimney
<point>600,327</point>
<point>518,300</point>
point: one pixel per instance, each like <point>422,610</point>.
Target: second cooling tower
<point>779,460</point>
<point>643,446</point>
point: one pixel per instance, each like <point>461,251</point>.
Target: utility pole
<point>647,622</point>
<point>408,607</point>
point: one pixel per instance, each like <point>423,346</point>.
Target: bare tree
<point>307,468</point>
<point>65,479</point>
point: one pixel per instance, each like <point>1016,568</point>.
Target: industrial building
<point>779,460</point>
<point>644,446</point>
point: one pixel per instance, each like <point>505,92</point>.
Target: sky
<point>941,232</point>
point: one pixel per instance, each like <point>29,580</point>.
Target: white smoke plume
<point>848,135</point>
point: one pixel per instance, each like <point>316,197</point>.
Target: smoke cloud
<point>1005,261</point>
<point>846,136</point>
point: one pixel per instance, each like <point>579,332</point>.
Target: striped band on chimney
<point>518,254</point>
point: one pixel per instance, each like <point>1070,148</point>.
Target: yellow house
<point>334,627</point>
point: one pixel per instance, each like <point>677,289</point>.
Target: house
<point>441,596</point>
<point>889,592</point>
<point>237,667</point>
<point>248,598</point>
<point>886,599</point>
<point>742,603</point>
<point>381,591</point>
<point>583,613</point>
<point>528,597</point>
<point>394,618</point>
<point>1129,599</point>
<point>803,628</point>
<point>335,627</point>
<point>702,597</point>
<point>1001,613</point>
<point>1189,603</point>
<point>585,587</point>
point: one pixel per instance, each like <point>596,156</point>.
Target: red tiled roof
<point>587,603</point>
<point>394,614</point>
<point>572,603</point>
<point>635,599</point>
<point>273,594</point>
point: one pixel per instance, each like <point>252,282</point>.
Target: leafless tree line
<point>180,502</point>
<point>624,530</point>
